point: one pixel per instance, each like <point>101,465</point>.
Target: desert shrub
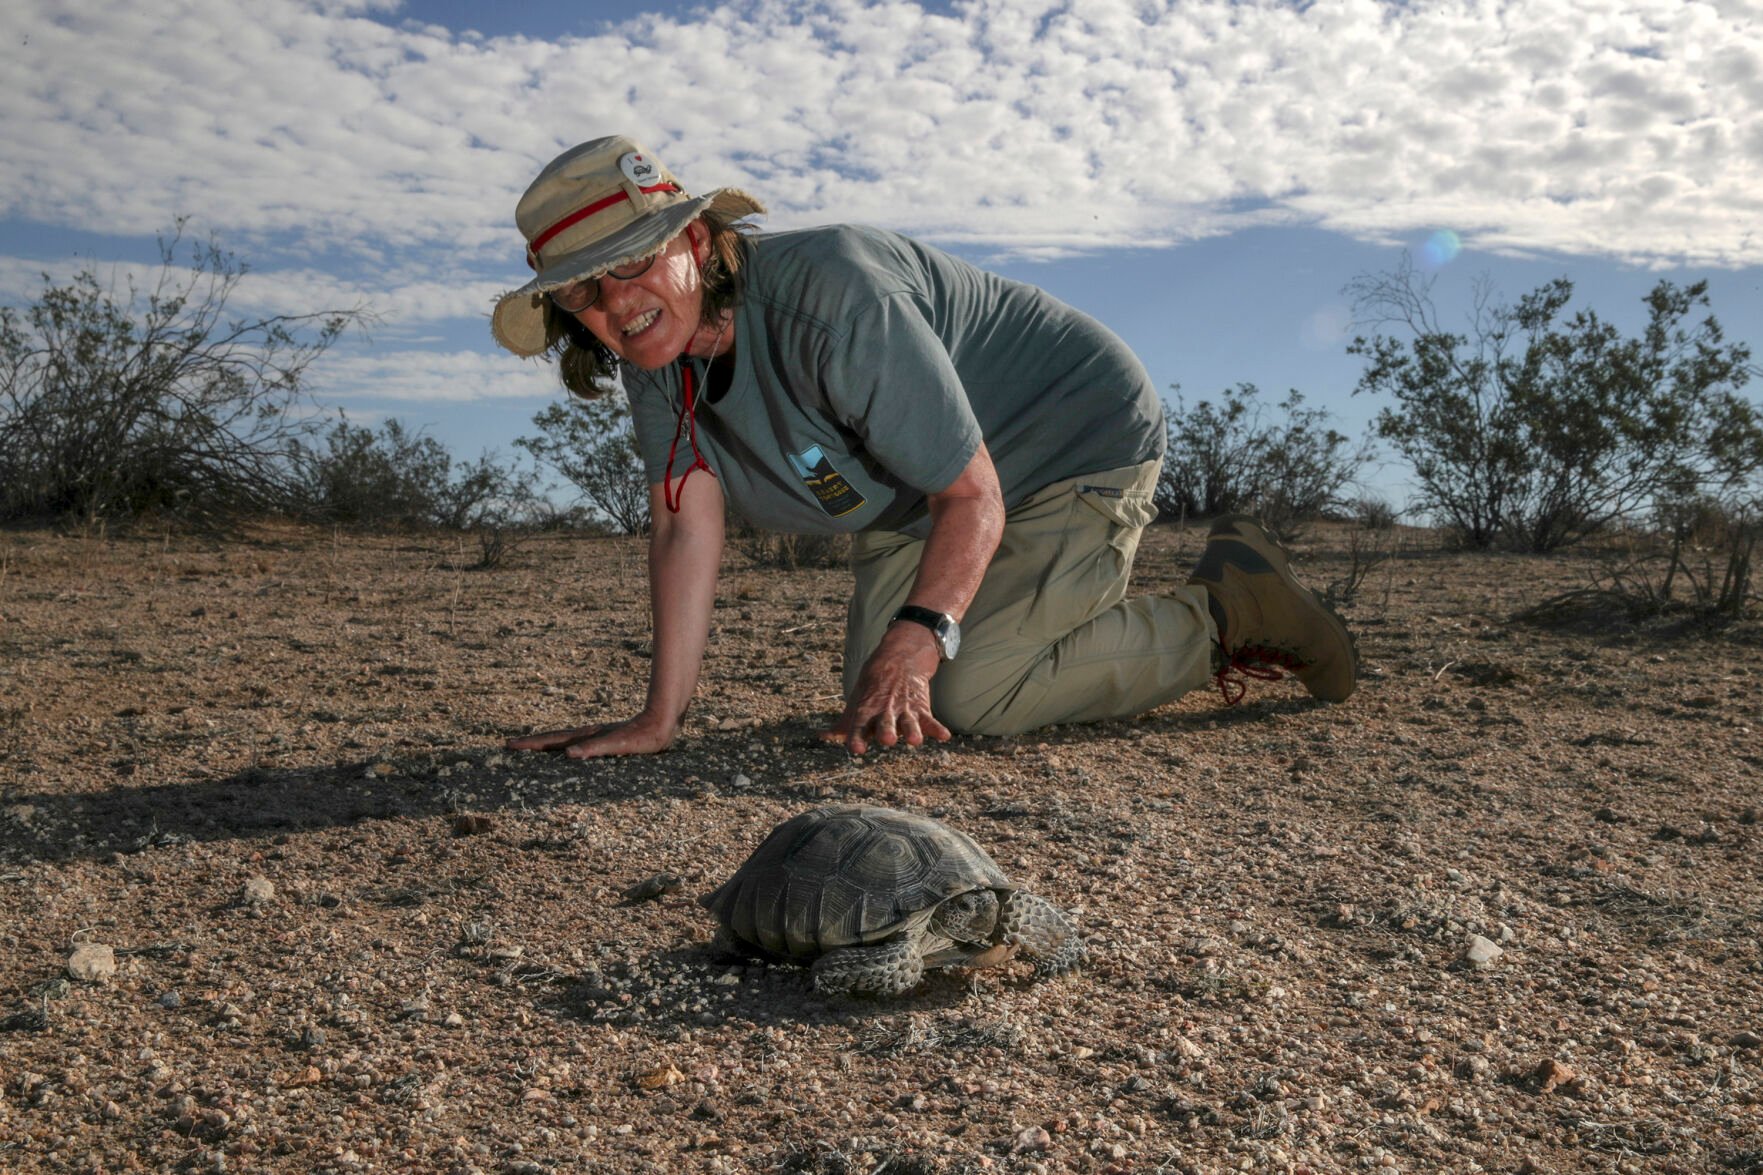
<point>398,478</point>
<point>1699,554</point>
<point>1373,513</point>
<point>790,552</point>
<point>117,401</point>
<point>1534,430</point>
<point>590,443</point>
<point>360,477</point>
<point>1695,559</point>
<point>1285,465</point>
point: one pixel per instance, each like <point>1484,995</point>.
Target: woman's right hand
<point>642,735</point>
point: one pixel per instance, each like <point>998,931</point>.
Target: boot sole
<point>1243,528</point>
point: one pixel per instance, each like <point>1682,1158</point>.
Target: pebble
<point>1551,1074</point>
<point>171,999</point>
<point>91,961</point>
<point>654,886</point>
<point>1747,1040</point>
<point>1481,952</point>
<point>659,1077</point>
<point>257,891</point>
<point>1034,1138</point>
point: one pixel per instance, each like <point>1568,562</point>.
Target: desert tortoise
<point>873,896</point>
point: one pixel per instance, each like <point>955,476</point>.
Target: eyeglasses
<point>579,296</point>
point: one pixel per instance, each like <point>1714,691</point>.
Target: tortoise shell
<point>848,876</point>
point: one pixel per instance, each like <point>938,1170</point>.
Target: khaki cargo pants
<point>1050,636</point>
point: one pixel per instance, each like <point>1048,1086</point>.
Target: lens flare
<point>1440,249</point>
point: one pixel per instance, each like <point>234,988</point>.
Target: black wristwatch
<point>941,624</point>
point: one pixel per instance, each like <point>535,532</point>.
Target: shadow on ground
<point>267,802</point>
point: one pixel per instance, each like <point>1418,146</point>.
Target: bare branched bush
<point>1367,549</point>
<point>1697,562</point>
<point>590,443</point>
<point>121,400</point>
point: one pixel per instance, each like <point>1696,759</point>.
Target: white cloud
<point>1628,128</point>
<point>430,376</point>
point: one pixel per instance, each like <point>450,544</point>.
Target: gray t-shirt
<point>867,368</point>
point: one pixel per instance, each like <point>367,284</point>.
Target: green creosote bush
<point>1285,465</point>
<point>1532,429</point>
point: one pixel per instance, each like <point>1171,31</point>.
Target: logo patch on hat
<point>639,169</point>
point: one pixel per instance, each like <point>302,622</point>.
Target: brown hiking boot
<point>1267,620</point>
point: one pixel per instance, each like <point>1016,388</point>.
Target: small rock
<point>468,824</point>
<point>454,1020</point>
<point>740,781</point>
<point>1551,1074</point>
<point>171,999</point>
<point>258,890</point>
<point>91,961</point>
<point>1034,1138</point>
<point>1187,1049</point>
<point>652,887</point>
<point>659,1077</point>
<point>1747,1040</point>
<point>1481,952</point>
<point>707,1110</point>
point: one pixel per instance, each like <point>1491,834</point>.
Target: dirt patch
<point>1499,911</point>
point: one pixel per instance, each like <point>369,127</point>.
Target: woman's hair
<point>586,366</point>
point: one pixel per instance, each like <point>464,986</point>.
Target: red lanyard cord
<point>687,423</point>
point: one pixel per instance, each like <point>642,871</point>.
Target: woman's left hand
<point>891,704</point>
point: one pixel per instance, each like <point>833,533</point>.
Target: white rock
<point>1481,952</point>
<point>258,890</point>
<point>91,961</point>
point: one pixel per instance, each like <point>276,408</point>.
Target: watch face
<point>949,637</point>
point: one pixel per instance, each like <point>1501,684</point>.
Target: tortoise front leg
<point>1043,931</point>
<point>892,968</point>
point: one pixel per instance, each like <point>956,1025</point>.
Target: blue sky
<point>1202,175</point>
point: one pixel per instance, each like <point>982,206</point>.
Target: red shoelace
<point>1262,664</point>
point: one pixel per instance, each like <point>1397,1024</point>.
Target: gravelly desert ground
<point>1500,911</point>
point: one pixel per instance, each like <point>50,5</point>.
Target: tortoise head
<point>967,917</point>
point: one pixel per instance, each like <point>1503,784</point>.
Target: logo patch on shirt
<point>835,495</point>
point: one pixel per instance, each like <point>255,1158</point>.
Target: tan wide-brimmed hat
<point>595,207</point>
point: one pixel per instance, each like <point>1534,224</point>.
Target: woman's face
<point>652,319</point>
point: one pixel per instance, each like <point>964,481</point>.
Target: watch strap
<point>928,617</point>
